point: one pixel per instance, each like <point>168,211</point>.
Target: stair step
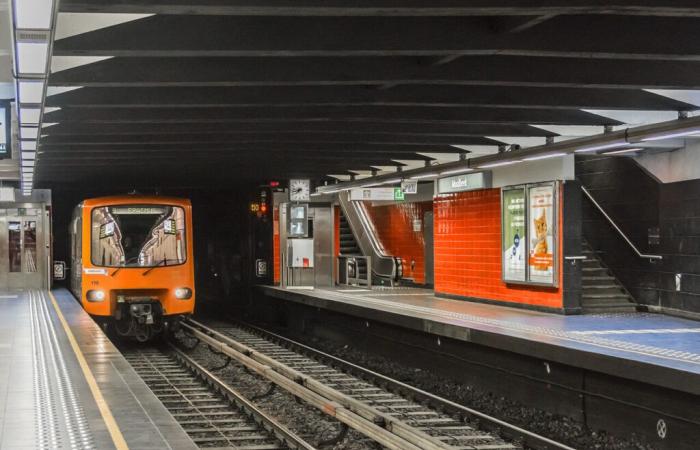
<point>600,288</point>
<point>609,305</point>
<point>608,310</point>
<point>617,295</point>
<point>597,278</point>
<point>591,270</point>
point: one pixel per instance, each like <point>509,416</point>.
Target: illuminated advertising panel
<point>529,234</point>
<point>542,233</point>
<point>513,235</point>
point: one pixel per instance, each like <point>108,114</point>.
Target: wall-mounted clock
<point>300,190</point>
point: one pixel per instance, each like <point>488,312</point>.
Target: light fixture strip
<point>611,140</point>
<point>33,23</point>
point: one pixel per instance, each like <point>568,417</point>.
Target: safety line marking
<point>112,427</point>
<point>649,331</point>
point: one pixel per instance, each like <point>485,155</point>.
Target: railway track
<point>213,415</point>
<point>393,414</point>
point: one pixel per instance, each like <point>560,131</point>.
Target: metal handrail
<point>624,236</point>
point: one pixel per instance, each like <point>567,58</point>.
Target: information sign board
<point>464,182</point>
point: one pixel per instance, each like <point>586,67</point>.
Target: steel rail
<point>151,368</point>
<point>614,225</point>
<point>378,426</point>
<point>282,433</point>
<point>508,430</point>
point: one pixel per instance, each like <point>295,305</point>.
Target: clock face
<point>300,190</point>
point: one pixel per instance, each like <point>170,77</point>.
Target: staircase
<point>602,292</point>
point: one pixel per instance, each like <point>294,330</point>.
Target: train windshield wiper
<point>164,261</point>
<point>125,265</point>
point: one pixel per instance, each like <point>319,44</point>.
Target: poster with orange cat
<point>541,233</point>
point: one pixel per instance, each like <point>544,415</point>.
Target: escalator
<point>358,237</point>
<point>349,246</point>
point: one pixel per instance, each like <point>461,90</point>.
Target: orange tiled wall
<point>276,245</point>
<point>468,251</point>
<point>394,225</point>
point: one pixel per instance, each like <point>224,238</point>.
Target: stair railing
<point>614,225</point>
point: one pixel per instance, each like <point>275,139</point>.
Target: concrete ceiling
<point>184,92</point>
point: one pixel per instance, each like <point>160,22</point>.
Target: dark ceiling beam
<point>497,71</point>
<point>413,95</point>
<point>268,148</point>
<point>516,24</point>
<point>382,7</point>
<point>323,114</point>
<point>79,130</point>
<point>282,138</point>
<point>607,37</point>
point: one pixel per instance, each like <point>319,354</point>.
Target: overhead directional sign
<point>377,194</point>
<point>409,186</point>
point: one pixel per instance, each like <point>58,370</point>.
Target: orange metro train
<point>132,262</point>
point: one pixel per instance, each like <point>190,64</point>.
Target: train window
<point>138,236</point>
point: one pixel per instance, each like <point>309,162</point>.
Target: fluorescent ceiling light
<point>28,145</point>
<point>392,181</point>
<point>32,57</point>
<point>33,14</point>
<point>457,171</point>
<point>30,91</point>
<point>28,132</point>
<point>29,116</point>
<point>499,164</point>
<point>27,163</point>
<point>626,150</point>
<point>545,156</point>
<point>424,176</point>
<point>672,135</point>
<point>601,147</point>
<point>28,155</point>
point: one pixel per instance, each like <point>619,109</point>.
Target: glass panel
<point>30,246</point>
<point>138,236</point>
<point>15,246</point>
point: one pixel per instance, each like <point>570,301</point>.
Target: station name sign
<point>464,182</point>
<point>5,130</point>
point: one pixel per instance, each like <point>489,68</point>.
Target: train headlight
<point>183,293</point>
<point>95,295</point>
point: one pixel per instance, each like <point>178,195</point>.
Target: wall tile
<point>468,251</point>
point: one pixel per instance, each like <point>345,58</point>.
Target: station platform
<point>64,385</point>
<point>650,348</point>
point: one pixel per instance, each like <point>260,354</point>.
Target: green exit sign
<point>398,194</point>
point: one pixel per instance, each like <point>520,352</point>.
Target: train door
<point>22,249</point>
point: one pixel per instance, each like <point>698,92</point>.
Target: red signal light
<point>274,183</point>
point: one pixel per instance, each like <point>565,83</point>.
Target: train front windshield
<point>138,236</point>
